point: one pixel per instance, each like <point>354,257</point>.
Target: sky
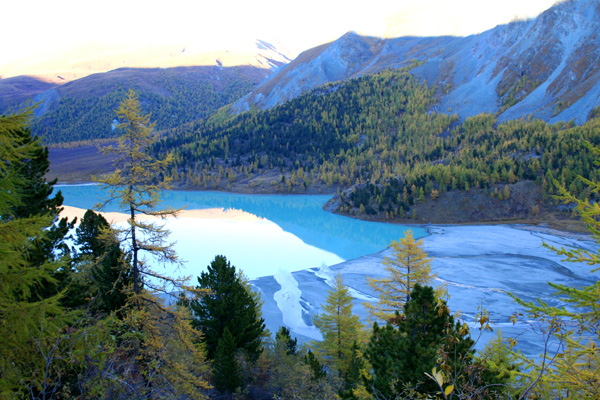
<point>41,27</point>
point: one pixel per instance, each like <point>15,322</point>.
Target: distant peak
<point>261,44</point>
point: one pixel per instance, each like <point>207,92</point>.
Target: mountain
<point>176,87</point>
<point>86,60</point>
<point>546,67</point>
<point>84,109</point>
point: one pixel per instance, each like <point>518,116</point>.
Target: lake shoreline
<point>552,223</point>
<point>291,249</point>
<point>479,265</point>
<point>206,213</point>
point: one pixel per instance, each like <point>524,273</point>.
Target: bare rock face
<point>547,67</point>
<point>339,60</point>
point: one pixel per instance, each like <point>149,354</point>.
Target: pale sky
<point>37,26</point>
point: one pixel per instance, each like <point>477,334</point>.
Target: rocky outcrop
<point>546,67</point>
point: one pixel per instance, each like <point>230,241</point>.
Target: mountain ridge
<point>70,109</point>
<point>545,67</point>
<point>84,109</point>
<point>83,61</point>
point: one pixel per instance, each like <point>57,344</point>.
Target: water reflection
<point>300,215</point>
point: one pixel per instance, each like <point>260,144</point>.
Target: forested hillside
<point>82,316</point>
<point>84,109</point>
<point>544,66</point>
<point>330,135</point>
<point>374,139</point>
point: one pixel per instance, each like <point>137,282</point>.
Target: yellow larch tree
<point>157,337</point>
<point>341,329</point>
<point>135,185</point>
<point>408,265</point>
<point>572,369</point>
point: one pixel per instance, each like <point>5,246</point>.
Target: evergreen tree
<point>498,369</point>
<point>339,327</point>
<point>30,312</point>
<point>226,371</point>
<point>425,337</point>
<point>35,200</point>
<point>89,236</point>
<point>408,266</point>
<point>318,370</point>
<point>104,273</point>
<point>227,305</point>
<point>353,379</point>
<point>284,336</point>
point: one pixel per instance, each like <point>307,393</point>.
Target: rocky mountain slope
<point>546,67</point>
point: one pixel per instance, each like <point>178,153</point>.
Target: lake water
<point>282,232</point>
<point>271,236</point>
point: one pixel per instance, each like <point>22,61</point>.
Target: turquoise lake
<point>289,232</point>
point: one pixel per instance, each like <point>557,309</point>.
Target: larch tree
<point>37,200</point>
<point>135,185</point>
<point>497,368</point>
<point>408,265</point>
<point>339,327</point>
<point>573,369</point>
<point>147,327</point>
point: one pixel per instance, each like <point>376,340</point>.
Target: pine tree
<point>104,266</point>
<point>226,371</point>
<point>382,352</point>
<point>339,327</point>
<point>228,305</point>
<point>284,336</point>
<point>30,313</point>
<point>401,356</point>
<point>353,380</point>
<point>318,370</point>
<point>89,234</point>
<point>408,265</point>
